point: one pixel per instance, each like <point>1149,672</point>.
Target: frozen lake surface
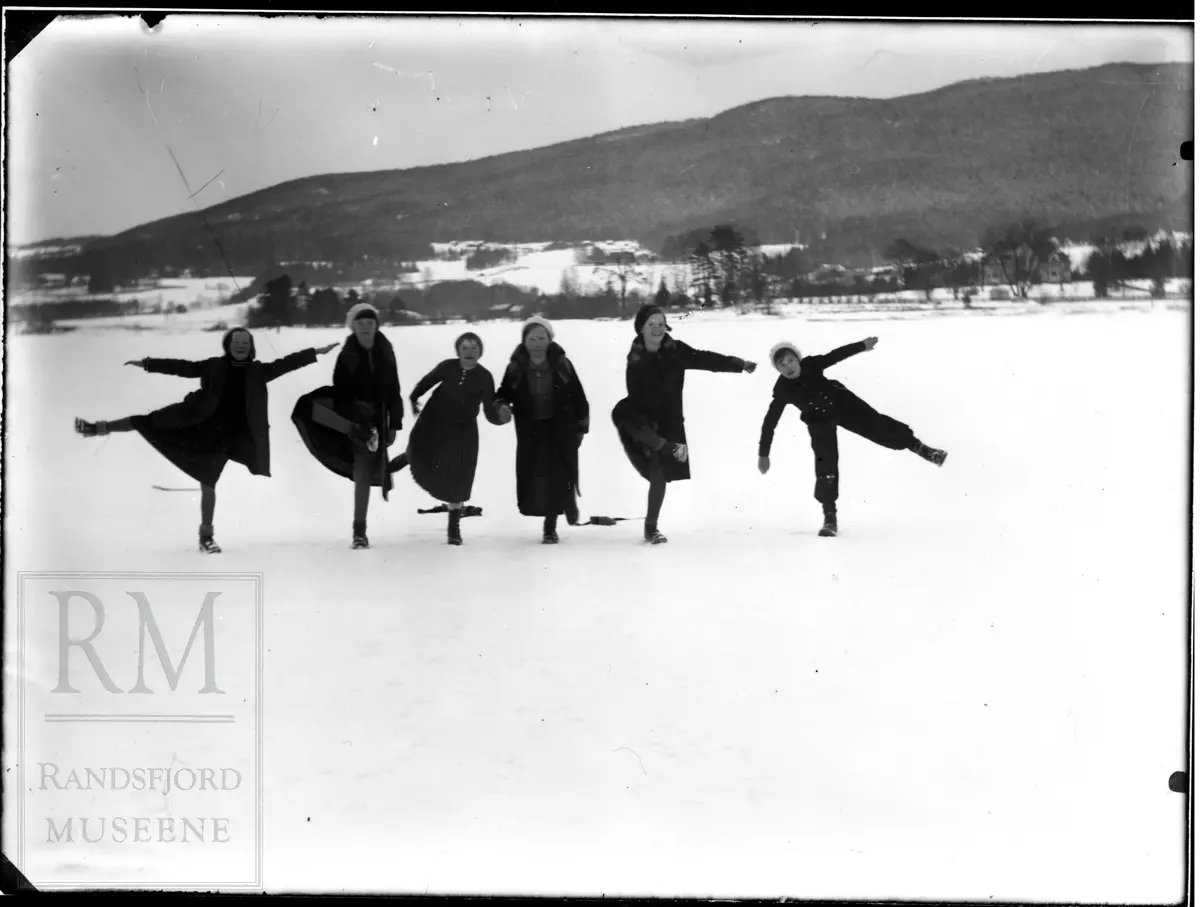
<point>977,691</point>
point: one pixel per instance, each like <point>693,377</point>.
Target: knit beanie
<point>533,322</point>
<point>784,347</point>
<point>361,310</point>
<point>643,315</point>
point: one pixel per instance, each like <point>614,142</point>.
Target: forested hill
<point>1083,148</point>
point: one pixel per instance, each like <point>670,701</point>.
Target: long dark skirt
<point>544,487</point>
<point>333,449</point>
<point>636,437</point>
<point>442,455</point>
<point>200,450</point>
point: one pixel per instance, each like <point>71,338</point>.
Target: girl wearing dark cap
<point>226,419</point>
<point>542,391</point>
<point>349,425</point>
<point>825,404</point>
<point>649,420</point>
<point>443,447</point>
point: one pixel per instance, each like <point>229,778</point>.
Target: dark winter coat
<point>366,388</point>
<point>556,454</point>
<point>369,376</point>
<point>177,430</point>
<point>818,398</point>
<point>652,412</point>
<point>443,446</point>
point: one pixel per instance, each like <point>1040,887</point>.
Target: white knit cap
<point>358,309</point>
<point>785,345</point>
<point>537,320</point>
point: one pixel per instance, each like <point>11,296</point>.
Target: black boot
<point>653,536</point>
<point>549,531</point>
<point>829,530</point>
<point>91,429</point>
<point>207,545</point>
<point>360,535</point>
<point>453,531</point>
<point>932,454</point>
<point>398,463</point>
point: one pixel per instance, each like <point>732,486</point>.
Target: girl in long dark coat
<point>348,426</point>
<point>649,419</point>
<point>226,419</point>
<point>825,404</point>
<point>542,391</point>
<point>443,446</point>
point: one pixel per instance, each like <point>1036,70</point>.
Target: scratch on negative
<point>636,756</point>
<point>1129,147</point>
<point>206,185</point>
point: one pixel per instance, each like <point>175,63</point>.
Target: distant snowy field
<point>977,691</point>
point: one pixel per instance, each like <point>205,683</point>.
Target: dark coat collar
<point>554,353</point>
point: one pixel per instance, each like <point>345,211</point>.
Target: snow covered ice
<point>978,690</point>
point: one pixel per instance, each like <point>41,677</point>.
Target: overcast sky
<point>94,102</point>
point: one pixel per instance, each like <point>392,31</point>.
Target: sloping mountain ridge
<point>848,175</point>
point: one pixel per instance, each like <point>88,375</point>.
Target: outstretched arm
<point>845,352</point>
<point>181,368</point>
<point>291,362</point>
<point>704,360</point>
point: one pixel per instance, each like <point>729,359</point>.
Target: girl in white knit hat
<point>348,426</point>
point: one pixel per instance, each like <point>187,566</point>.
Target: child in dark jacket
<point>348,426</point>
<point>225,419</point>
<point>825,404</point>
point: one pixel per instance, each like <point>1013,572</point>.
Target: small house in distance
<point>1003,269</point>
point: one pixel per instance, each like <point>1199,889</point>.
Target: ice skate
<point>653,536</point>
<point>932,454</point>
<point>453,529</point>
<point>829,529</point>
<point>360,536</point>
<point>91,429</point>
<point>207,545</point>
<point>549,537</point>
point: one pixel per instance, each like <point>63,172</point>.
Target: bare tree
<point>1020,248</point>
<point>623,267</point>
